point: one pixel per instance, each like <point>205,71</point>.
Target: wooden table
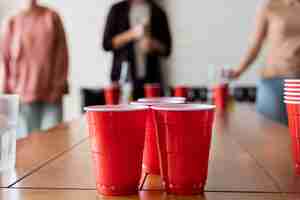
<point>250,160</point>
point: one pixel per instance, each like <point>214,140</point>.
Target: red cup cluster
<point>292,101</point>
<point>171,138</point>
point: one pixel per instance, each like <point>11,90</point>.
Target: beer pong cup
<point>292,81</point>
<point>150,157</point>
<point>184,134</point>
<point>221,94</point>
<point>294,85</point>
<point>295,90</point>
<point>112,94</point>
<point>291,98</point>
<point>292,94</point>
<point>293,109</point>
<point>152,90</point>
<point>181,91</point>
<point>117,135</point>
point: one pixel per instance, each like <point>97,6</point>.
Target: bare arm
<point>112,39</point>
<point>256,43</point>
<point>124,38</point>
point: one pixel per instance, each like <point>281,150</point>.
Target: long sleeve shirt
<point>35,56</point>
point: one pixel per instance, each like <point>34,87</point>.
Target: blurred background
<point>205,34</point>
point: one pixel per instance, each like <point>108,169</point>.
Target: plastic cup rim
<point>183,107</point>
<point>116,108</point>
<point>291,98</point>
<point>291,84</point>
<point>151,85</point>
<point>163,100</point>
<point>291,102</point>
<point>149,104</point>
<point>292,80</point>
<point>291,93</point>
<point>9,96</point>
<point>181,87</point>
<point>292,89</point>
<point>111,86</point>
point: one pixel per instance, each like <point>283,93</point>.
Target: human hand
<point>233,73</point>
<point>149,45</point>
<point>138,31</point>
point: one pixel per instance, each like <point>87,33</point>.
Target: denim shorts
<point>270,99</point>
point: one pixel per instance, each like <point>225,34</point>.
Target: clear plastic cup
<point>9,111</point>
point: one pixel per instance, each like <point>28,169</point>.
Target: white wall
<point>209,33</point>
<point>212,32</point>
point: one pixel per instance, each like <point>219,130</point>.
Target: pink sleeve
<point>61,56</point>
<point>5,54</point>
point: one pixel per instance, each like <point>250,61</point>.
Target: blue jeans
<point>39,116</point>
<point>270,100</point>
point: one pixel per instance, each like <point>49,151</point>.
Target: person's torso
<point>284,35</point>
<point>33,39</point>
<point>32,50</point>
<point>127,53</point>
<point>140,14</point>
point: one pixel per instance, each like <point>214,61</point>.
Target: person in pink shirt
<point>35,56</point>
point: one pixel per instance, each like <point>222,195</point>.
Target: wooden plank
<point>153,195</point>
<point>268,143</point>
<point>72,170</point>
<point>41,147</point>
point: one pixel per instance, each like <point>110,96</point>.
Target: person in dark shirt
<point>137,32</point>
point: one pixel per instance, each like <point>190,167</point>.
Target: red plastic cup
<point>292,98</point>
<point>152,90</point>
<point>117,135</point>
<point>292,94</point>
<point>151,163</point>
<point>181,91</point>
<point>293,110</point>
<point>221,94</point>
<point>292,85</point>
<point>184,133</point>
<point>292,81</point>
<point>112,95</point>
<point>294,90</point>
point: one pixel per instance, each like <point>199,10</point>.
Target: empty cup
<point>151,162</point>
<point>117,135</point>
<point>292,85</point>
<point>184,133</point>
<point>292,81</point>
<point>292,94</point>
<point>181,91</point>
<point>220,96</point>
<point>152,90</point>
<point>293,109</point>
<point>9,112</point>
<point>112,94</point>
